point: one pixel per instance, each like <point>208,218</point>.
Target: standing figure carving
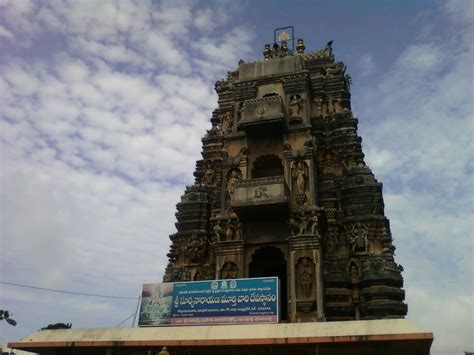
<point>305,276</point>
<point>329,105</point>
<point>229,231</point>
<point>197,249</point>
<point>234,176</point>
<point>239,231</point>
<point>354,272</point>
<point>296,106</point>
<point>300,174</point>
<point>240,111</point>
<point>208,179</point>
<point>358,239</point>
<point>226,123</point>
<point>314,223</point>
<point>336,105</point>
<point>218,232</point>
<point>319,106</point>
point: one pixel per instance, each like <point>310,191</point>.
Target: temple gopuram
<point>283,190</point>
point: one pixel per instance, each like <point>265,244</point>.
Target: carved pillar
<point>306,278</point>
<point>313,182</point>
<point>228,253</point>
<point>306,266</point>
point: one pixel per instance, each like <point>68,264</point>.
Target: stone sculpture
<point>305,273</point>
<point>235,176</point>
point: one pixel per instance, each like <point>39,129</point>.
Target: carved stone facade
<point>283,190</point>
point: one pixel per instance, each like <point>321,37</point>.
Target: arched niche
<point>305,276</point>
<point>266,166</point>
<point>229,270</point>
<point>268,262</point>
<point>353,270</point>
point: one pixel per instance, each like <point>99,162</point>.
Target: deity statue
<point>208,179</point>
<point>319,106</point>
<point>329,105</point>
<point>218,232</point>
<point>197,249</point>
<point>240,111</point>
<point>229,231</point>
<point>234,177</point>
<point>299,174</point>
<point>359,239</point>
<point>336,105</point>
<point>295,106</point>
<point>226,123</point>
<point>305,273</point>
<point>314,223</point>
<point>354,273</point>
<point>239,231</point>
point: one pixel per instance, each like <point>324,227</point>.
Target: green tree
<point>5,315</point>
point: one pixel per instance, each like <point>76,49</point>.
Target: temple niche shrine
<point>283,190</point>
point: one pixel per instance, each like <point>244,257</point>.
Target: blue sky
<point>104,104</point>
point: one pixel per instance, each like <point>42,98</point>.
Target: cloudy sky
<point>103,105</point>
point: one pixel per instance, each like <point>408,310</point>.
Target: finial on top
<point>300,47</point>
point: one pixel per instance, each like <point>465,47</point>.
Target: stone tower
<point>283,190</point>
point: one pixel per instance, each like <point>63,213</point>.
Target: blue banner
<point>211,302</point>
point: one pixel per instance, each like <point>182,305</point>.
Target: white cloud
<point>6,34</point>
<point>225,49</point>
<point>421,57</point>
<point>98,138</point>
<point>111,53</point>
<point>460,11</point>
<point>20,82</point>
<point>16,14</point>
<point>366,65</point>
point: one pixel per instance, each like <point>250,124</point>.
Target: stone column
<point>306,272</point>
<point>229,251</point>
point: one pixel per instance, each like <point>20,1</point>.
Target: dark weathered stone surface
<point>283,190</point>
